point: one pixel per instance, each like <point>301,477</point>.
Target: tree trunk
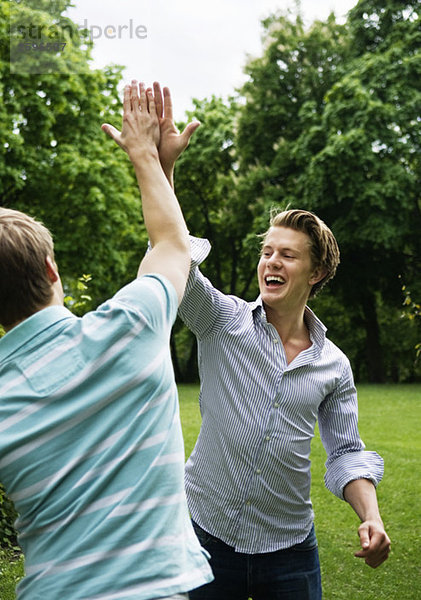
<point>375,365</point>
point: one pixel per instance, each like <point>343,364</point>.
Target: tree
<point>55,162</point>
<point>331,123</point>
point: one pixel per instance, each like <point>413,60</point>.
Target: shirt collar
<point>31,327</point>
<point>316,328</point>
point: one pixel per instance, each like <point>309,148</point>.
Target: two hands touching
<point>153,144</point>
<point>148,126</point>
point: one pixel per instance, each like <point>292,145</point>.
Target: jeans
<point>291,574</point>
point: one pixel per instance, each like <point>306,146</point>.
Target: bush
<point>8,535</point>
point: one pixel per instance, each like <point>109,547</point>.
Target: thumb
<point>364,534</point>
<point>112,132</point>
<point>189,130</point>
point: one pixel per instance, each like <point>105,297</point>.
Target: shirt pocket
<point>49,368</point>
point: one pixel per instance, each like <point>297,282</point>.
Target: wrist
<point>140,155</point>
<point>143,157</point>
<point>168,169</point>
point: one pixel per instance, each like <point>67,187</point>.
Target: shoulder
<point>152,291</point>
<point>150,300</point>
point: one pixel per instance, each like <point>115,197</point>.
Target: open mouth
<point>274,281</point>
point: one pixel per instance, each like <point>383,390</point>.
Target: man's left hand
<point>172,142</point>
<point>375,543</point>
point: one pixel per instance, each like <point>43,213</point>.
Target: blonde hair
<point>324,249</point>
<point>24,284</point>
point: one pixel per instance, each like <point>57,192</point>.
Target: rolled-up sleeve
<point>347,458</point>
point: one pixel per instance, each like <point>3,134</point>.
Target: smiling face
<point>285,270</point>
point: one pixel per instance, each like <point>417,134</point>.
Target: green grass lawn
<point>389,423</point>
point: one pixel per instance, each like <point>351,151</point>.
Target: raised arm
<point>139,137</point>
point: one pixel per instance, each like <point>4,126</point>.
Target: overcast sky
<point>196,47</point>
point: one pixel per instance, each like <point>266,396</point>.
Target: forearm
<point>375,543</point>
<point>162,214</point>
<point>361,495</point>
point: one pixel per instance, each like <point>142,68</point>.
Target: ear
<point>52,271</point>
<point>317,275</point>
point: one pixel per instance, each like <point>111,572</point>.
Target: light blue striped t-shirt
<point>91,451</point>
<point>248,478</point>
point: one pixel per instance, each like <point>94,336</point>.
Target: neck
<point>56,300</point>
<point>289,326</point>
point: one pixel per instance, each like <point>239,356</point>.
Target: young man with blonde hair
<point>91,449</point>
<point>267,374</point>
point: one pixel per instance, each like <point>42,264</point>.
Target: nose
<point>275,261</point>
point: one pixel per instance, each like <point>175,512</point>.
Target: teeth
<point>274,278</point>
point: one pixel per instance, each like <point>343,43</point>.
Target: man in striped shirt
<point>91,449</point>
<point>267,374</point>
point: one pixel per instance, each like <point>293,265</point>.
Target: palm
<point>172,142</point>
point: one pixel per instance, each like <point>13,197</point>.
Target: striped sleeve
<point>204,309</point>
<point>347,458</point>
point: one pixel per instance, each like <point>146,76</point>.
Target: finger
<point>189,130</point>
<point>158,99</point>
<point>111,131</point>
<point>148,93</point>
<point>126,99</point>
<point>374,556</point>
<point>143,100</point>
<point>134,95</point>
<point>376,561</point>
<point>167,104</point>
<point>151,102</point>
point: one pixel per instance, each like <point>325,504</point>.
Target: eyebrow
<point>282,249</point>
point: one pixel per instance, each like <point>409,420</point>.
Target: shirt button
<point>248,503</point>
<point>258,471</point>
<point>276,405</point>
<point>267,438</point>
<point>275,341</point>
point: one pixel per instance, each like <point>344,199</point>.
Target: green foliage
<point>8,538</point>
<point>77,299</point>
<point>56,163</point>
<point>331,124</point>
<point>412,312</point>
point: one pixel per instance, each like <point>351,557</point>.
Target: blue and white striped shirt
<point>92,454</point>
<point>248,478</point>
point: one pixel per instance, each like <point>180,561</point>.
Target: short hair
<point>324,248</point>
<point>24,284</point>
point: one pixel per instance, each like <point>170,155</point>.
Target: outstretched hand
<point>140,129</point>
<point>172,142</point>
